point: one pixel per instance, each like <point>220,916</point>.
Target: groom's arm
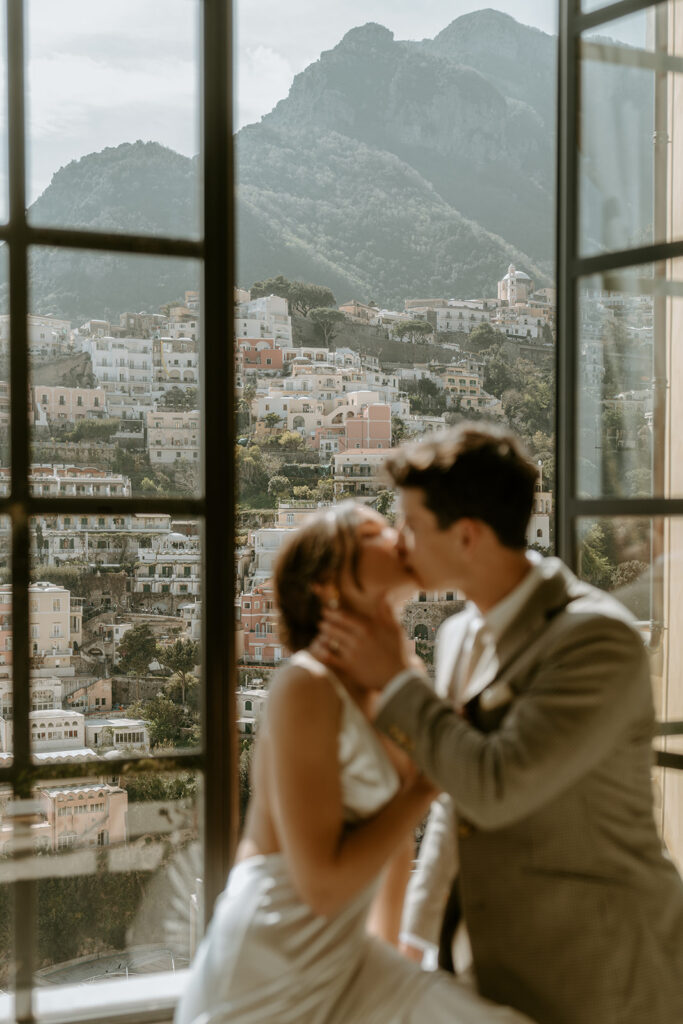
<point>591,684</point>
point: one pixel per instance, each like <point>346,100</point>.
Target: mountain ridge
<point>391,169</point>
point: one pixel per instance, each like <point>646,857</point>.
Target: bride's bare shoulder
<point>302,682</point>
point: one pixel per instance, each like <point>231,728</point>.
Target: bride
<point>303,932</point>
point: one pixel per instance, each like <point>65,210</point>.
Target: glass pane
<point>114,632</point>
<point>4,370</point>
<point>628,127</point>
<point>632,29</point>
<point>113,115</point>
<point>630,400</point>
<point>114,372</point>
<point>6,687</point>
<point>640,560</point>
<point>6,902</point>
<point>4,193</point>
<point>118,865</point>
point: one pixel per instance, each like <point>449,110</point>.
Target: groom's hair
<point>474,472</point>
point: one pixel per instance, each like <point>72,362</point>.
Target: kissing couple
<point>532,756</point>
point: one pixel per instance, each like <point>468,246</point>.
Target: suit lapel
<point>551,595</point>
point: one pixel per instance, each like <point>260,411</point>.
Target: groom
<point>540,737</point>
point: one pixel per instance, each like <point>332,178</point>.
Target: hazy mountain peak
<point>484,21</point>
<point>371,34</point>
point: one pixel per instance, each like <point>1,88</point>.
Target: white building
<point>75,481</point>
<point>99,538</point>
<point>172,435</point>
<point>358,472</point>
<point>48,336</point>
<point>117,733</point>
<point>122,365</point>
<point>251,705</point>
<point>170,570</point>
<point>176,363</point>
<point>267,317</point>
<point>462,315</point>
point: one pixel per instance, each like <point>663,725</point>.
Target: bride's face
<point>381,567</point>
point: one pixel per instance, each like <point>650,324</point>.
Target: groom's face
<point>433,554</point>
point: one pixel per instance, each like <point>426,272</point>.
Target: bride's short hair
<point>316,554</point>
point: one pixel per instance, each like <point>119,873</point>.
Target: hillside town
<point>116,599</point>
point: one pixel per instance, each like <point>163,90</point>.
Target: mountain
<point>488,155</point>
<point>391,169</point>
<point>139,186</point>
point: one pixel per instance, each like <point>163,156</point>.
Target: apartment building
<point>74,481</point>
<point>357,473</point>
<point>463,387</point>
<point>257,354</point>
<point>267,317</point>
<point>83,813</point>
<point>169,573</point>
<point>259,625</point>
<point>48,336</point>
<point>57,405</point>
<point>96,538</point>
<point>463,315</point>
<point>176,363</point>
<point>45,693</point>
<point>122,364</point>
<point>56,623</point>
<point>172,435</point>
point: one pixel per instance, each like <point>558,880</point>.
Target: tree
<point>291,439</point>
<point>326,322</point>
<point>384,503</point>
<point>419,331</point>
<point>306,297</point>
<point>595,566</point>
<point>300,295</point>
<point>324,490</point>
<point>398,430</point>
<point>136,650</point>
<point>272,419</point>
<point>279,486</point>
<point>164,717</point>
<point>180,657</point>
<point>177,398</point>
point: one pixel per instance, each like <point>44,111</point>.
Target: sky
<point>102,72</point>
<point>111,71</point>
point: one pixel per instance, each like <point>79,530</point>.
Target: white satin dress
<point>268,959</point>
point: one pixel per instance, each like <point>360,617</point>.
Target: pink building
<point>369,428</point>
<point>258,354</point>
<point>260,625</point>
<point>85,814</point>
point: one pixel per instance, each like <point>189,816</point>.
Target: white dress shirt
<point>484,631</point>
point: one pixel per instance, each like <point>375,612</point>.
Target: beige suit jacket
<point>575,914</point>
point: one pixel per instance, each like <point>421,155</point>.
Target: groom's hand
<point>370,651</point>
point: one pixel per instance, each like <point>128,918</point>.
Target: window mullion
<point>218,445</point>
<point>567,234</point>
<point>24,892</point>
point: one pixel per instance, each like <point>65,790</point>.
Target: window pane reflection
<point>640,561</point>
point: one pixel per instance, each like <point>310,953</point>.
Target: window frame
<point>214,508</point>
<point>571,267</point>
